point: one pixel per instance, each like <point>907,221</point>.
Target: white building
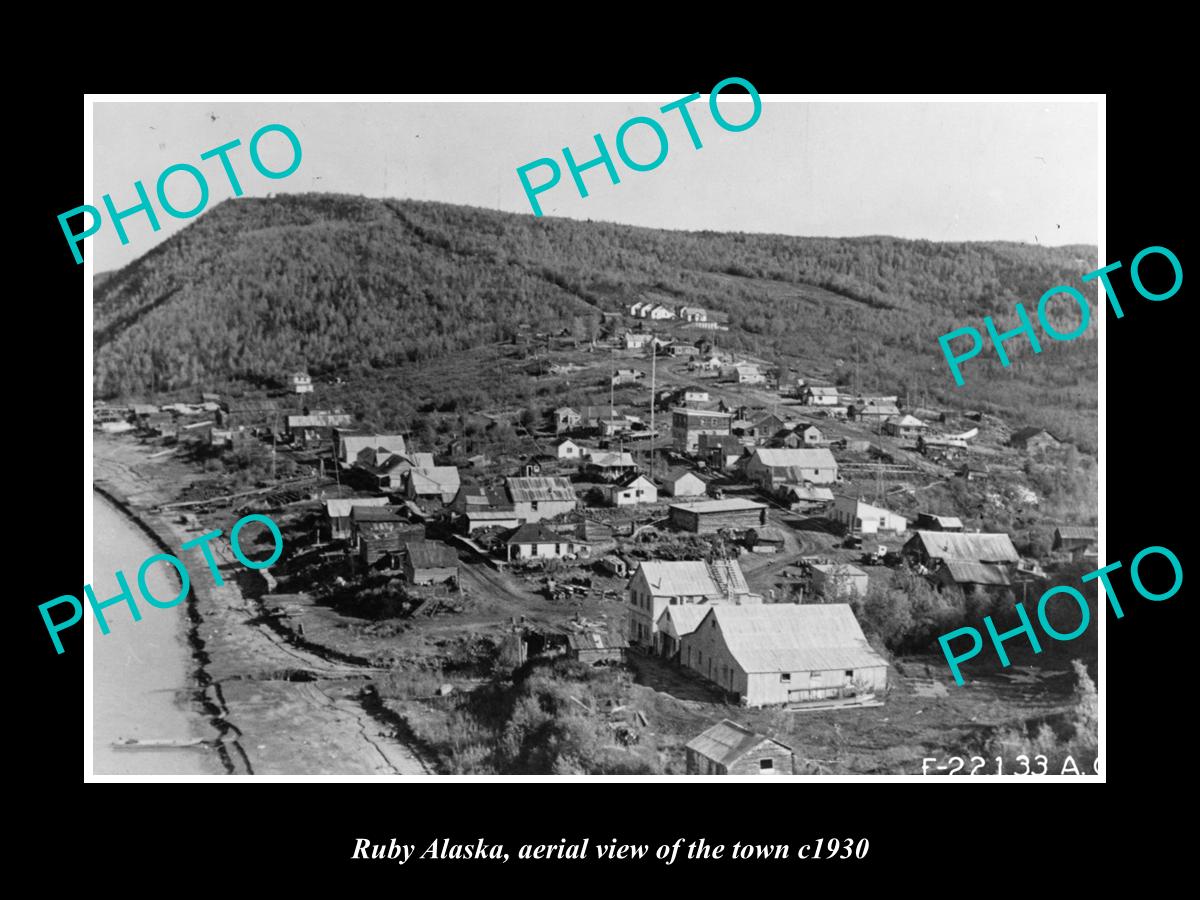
<point>865,518</point>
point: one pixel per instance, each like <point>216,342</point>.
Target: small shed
<point>767,539</point>
<point>728,748</point>
<point>428,563</point>
<point>1075,539</point>
<point>839,581</point>
<point>710,516</point>
<point>595,648</point>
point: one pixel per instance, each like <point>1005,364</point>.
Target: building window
<point>533,549</point>
<point>766,765</point>
<point>814,678</point>
<point>557,549</point>
<point>785,677</point>
<point>849,673</point>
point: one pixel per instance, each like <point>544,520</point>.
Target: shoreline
<point>267,720</point>
<point>213,712</point>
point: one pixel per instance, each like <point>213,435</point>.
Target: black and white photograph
<point>726,436</point>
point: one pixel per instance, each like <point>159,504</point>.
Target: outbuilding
<point>728,748</point>
<point>428,563</point>
<point>711,516</point>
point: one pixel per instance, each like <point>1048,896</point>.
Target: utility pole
<point>653,372</point>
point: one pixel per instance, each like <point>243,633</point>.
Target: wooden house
<point>251,413</point>
<point>1035,441</point>
<point>693,314</point>
<point>864,518</point>
<point>313,428</point>
<point>388,471</point>
<point>535,499</point>
<point>568,449</point>
<point>349,443</point>
<point>770,467</point>
<point>973,470</point>
<point>688,424</point>
<point>1078,540</point>
<point>784,653</point>
<point>744,373</point>
<point>731,749</point>
<point>658,584</point>
<point>379,534</point>
<point>439,483</point>
<point>565,419</point>
<point>534,540</point>
<point>681,482</point>
<point>931,522</point>
<point>595,648</point>
<point>636,340</point>
<point>940,447</point>
<point>711,516</point>
<point>839,582</point>
<point>302,383</point>
<point>930,548</point>
<point>804,497</point>
<point>631,489</point>
<point>609,466</point>
<point>426,562</point>
<point>872,413</point>
<point>904,427</point>
<point>337,514</point>
<point>819,395</point>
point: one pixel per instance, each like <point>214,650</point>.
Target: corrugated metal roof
<point>594,640</point>
<point>602,460</point>
<point>679,578</point>
<point>785,637</point>
<point>719,506</point>
<point>373,514</point>
<point>970,547</point>
<point>318,420</point>
<point>966,572</point>
<point>339,508</point>
<point>1077,532</point>
<point>539,488</point>
<point>800,458</point>
<point>727,742</point>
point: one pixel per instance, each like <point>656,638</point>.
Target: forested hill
<point>258,287</point>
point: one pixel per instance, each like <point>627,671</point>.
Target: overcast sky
<point>941,171</point>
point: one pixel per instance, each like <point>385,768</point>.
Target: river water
<point>141,684</point>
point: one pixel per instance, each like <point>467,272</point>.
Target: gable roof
<point>727,742</point>
<point>944,521</point>
<point>907,422</point>
<point>438,480</point>
<point>716,506</point>
<point>788,637</point>
<point>804,492</point>
<point>629,479</point>
<point>683,618</point>
<point>970,547</point>
<point>337,509</point>
<point>609,460</point>
<point>673,475</point>
<point>1023,435</point>
<point>523,490</point>
<point>800,458</point>
<point>1077,532</point>
<point>678,578</point>
<point>594,640</point>
<point>966,572</point>
<point>536,533</point>
<point>374,514</point>
<point>429,555</point>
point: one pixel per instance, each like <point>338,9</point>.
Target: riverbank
<point>276,706</point>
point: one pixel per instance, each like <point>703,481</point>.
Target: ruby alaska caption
<point>204,543</point>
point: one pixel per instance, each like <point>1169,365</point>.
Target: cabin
<point>349,443</point>
<point>681,482</point>
<point>379,534</point>
<point>839,582</point>
<point>692,314</point>
<point>864,518</point>
<point>609,466</point>
<point>767,539</point>
<point>731,749</point>
<point>772,467</point>
<point>804,436</point>
<point>930,548</point>
<point>636,340</point>
<point>568,449</point>
<point>534,540</point>
<point>819,395</point>
<point>688,425</point>
<point>302,383</point>
<point>566,419</point>
<point>904,427</point>
<point>1035,441</point>
<point>720,451</point>
<point>931,522</point>
<point>660,312</point>
<point>1078,540</point>
<point>337,514</point>
<point>711,516</point>
<point>595,648</point>
<point>426,562</point>
<point>804,497</point>
<point>440,483</point>
<point>744,373</point>
<point>785,654</point>
<point>872,413</point>
<point>544,497</point>
<point>630,490</point>
<point>763,426</point>
<point>658,584</point>
<point>973,470</point>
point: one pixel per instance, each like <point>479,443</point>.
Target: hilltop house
<point>784,653</point>
<point>864,518</point>
<point>904,427</point>
<point>658,584</point>
<point>693,314</point>
<point>730,749</point>
<point>660,312</point>
<point>931,522</point>
<point>771,467</point>
<point>565,419</point>
<point>539,498</point>
<point>1035,441</point>
<point>302,383</point>
<point>819,395</point>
